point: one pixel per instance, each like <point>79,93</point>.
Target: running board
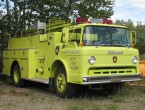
<point>45,81</point>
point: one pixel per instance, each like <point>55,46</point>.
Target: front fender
<point>60,62</point>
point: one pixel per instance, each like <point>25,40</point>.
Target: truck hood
<point>108,51</point>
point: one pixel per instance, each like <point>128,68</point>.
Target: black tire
<point>16,76</point>
<point>62,87</point>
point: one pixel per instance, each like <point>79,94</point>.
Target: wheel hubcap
<point>61,82</point>
<point>16,76</point>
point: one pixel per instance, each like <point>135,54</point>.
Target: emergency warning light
<point>86,20</point>
<point>106,21</point>
<point>103,21</point>
<point>82,20</point>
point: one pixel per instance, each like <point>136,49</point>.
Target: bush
<point>140,45</point>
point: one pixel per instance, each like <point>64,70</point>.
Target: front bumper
<point>111,79</point>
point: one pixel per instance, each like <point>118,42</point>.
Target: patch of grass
<point>20,93</point>
<point>117,98</point>
<point>7,105</point>
<point>34,98</point>
<point>1,92</point>
<point>90,104</point>
<point>42,98</point>
<point>73,107</point>
<point>25,93</point>
<point>80,104</point>
<point>12,92</point>
<point>135,90</point>
<point>120,95</point>
<point>127,91</point>
<point>113,106</point>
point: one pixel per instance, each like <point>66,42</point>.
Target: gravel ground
<point>30,98</point>
<point>36,97</point>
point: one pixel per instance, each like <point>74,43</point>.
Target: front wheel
<point>62,87</point>
<point>16,76</point>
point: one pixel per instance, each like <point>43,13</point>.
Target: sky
<point>129,9</point>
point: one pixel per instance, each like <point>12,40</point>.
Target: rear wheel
<point>16,76</point>
<point>62,88</point>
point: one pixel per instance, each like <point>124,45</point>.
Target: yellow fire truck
<point>64,55</point>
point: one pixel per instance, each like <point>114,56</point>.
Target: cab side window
<point>75,35</point>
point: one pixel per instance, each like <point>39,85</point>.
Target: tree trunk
<point>8,16</point>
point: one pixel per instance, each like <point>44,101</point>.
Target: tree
<point>128,24</point>
<point>96,8</point>
<point>23,14</point>
<point>5,3</point>
<point>140,30</point>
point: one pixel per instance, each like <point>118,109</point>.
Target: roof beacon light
<point>82,20</point>
<point>106,21</point>
<point>103,21</point>
<point>86,20</point>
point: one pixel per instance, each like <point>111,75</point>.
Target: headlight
<point>92,60</point>
<point>135,60</point>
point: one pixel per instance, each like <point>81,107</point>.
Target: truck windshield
<point>105,36</point>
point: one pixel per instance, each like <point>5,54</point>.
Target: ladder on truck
<point>56,25</point>
<point>53,25</point>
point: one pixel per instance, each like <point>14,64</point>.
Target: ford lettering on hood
<point>115,53</point>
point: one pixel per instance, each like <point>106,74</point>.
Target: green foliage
<point>96,8</point>
<point>128,24</point>
<point>141,44</point>
<point>24,13</point>
<point>140,30</point>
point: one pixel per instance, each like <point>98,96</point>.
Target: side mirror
<point>133,37</point>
